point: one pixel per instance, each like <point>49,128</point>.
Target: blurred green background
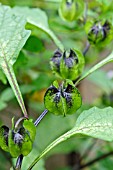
<point>34,76</point>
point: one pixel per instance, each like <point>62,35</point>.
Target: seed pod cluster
<point>64,99</point>
<point>67,65</point>
<point>18,141</point>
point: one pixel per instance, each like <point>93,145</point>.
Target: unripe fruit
<point>67,65</point>
<point>18,141</point>
<point>70,10</point>
<point>64,99</point>
<point>100,33</point>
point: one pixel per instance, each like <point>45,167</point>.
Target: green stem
<point>51,146</point>
<point>97,66</point>
<point>8,70</point>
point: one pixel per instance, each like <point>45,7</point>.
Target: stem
<point>40,117</point>
<point>18,122</point>
<point>97,66</point>
<point>96,160</point>
<point>86,48</point>
<point>8,70</point>
<point>19,163</point>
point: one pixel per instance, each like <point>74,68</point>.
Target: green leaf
<point>95,122</point>
<point>12,35</point>
<point>12,38</point>
<point>29,125</point>
<point>37,17</point>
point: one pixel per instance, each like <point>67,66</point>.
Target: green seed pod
<point>20,141</point>
<point>4,130</point>
<point>67,65</point>
<point>100,33</point>
<point>30,127</point>
<point>63,99</point>
<point>15,141</point>
<point>70,10</point>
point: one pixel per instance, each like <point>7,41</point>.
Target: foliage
<point>28,39</point>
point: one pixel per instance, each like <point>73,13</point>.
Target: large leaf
<point>95,122</point>
<point>37,17</point>
<point>12,35</point>
<point>12,38</point>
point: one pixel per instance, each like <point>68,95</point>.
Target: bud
<point>67,65</point>
<point>71,9</point>
<point>64,99</point>
<point>99,33</point>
